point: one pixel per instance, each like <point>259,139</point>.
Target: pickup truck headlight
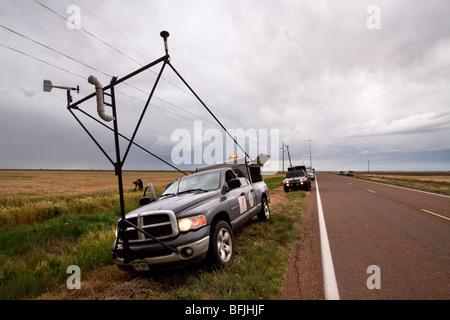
<point>190,223</point>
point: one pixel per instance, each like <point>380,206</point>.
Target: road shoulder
<point>303,276</point>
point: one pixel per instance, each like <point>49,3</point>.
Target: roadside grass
<point>441,187</point>
<point>34,259</point>
<point>262,254</point>
<point>43,210</point>
<point>274,181</point>
<point>52,219</point>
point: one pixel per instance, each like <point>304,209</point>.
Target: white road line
<point>329,277</point>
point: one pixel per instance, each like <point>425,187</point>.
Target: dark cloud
<point>311,69</point>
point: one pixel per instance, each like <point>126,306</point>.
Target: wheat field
<point>28,196</point>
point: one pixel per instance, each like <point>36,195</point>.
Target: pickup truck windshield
<point>196,182</point>
<point>296,174</point>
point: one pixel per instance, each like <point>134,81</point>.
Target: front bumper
<point>294,184</point>
<point>154,256</point>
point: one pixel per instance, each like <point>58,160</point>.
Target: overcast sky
<point>362,83</point>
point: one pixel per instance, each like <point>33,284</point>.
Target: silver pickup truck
<point>194,218</point>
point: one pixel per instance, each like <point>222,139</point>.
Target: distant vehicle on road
<point>346,173</point>
<point>311,172</point>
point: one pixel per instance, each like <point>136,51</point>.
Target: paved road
<point>405,234</point>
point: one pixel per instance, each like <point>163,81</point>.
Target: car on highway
<point>296,179</point>
<point>311,173</point>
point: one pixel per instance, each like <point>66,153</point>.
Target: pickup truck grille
<point>160,224</point>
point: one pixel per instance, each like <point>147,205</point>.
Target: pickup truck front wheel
<point>222,244</point>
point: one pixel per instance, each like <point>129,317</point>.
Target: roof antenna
<point>165,35</point>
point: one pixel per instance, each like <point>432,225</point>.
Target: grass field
<point>34,196</point>
<point>52,219</point>
<point>63,218</point>
<point>437,182</point>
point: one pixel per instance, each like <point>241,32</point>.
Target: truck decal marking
<point>250,199</point>
<point>242,204</point>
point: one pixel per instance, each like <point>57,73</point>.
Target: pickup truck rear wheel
<point>264,214</point>
<point>222,244</point>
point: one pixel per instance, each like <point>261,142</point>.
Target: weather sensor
<point>48,86</point>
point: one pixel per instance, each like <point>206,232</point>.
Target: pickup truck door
<point>237,203</point>
<point>249,194</point>
<point>236,199</point>
<point>242,202</point>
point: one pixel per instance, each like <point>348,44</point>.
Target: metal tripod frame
<point>109,90</point>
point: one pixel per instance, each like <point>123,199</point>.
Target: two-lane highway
<point>393,240</point>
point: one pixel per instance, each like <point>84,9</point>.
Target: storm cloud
<point>314,70</point>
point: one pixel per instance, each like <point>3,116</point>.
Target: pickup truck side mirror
<point>146,199</point>
<point>234,183</point>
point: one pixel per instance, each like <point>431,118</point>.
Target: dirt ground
<point>303,277</point>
